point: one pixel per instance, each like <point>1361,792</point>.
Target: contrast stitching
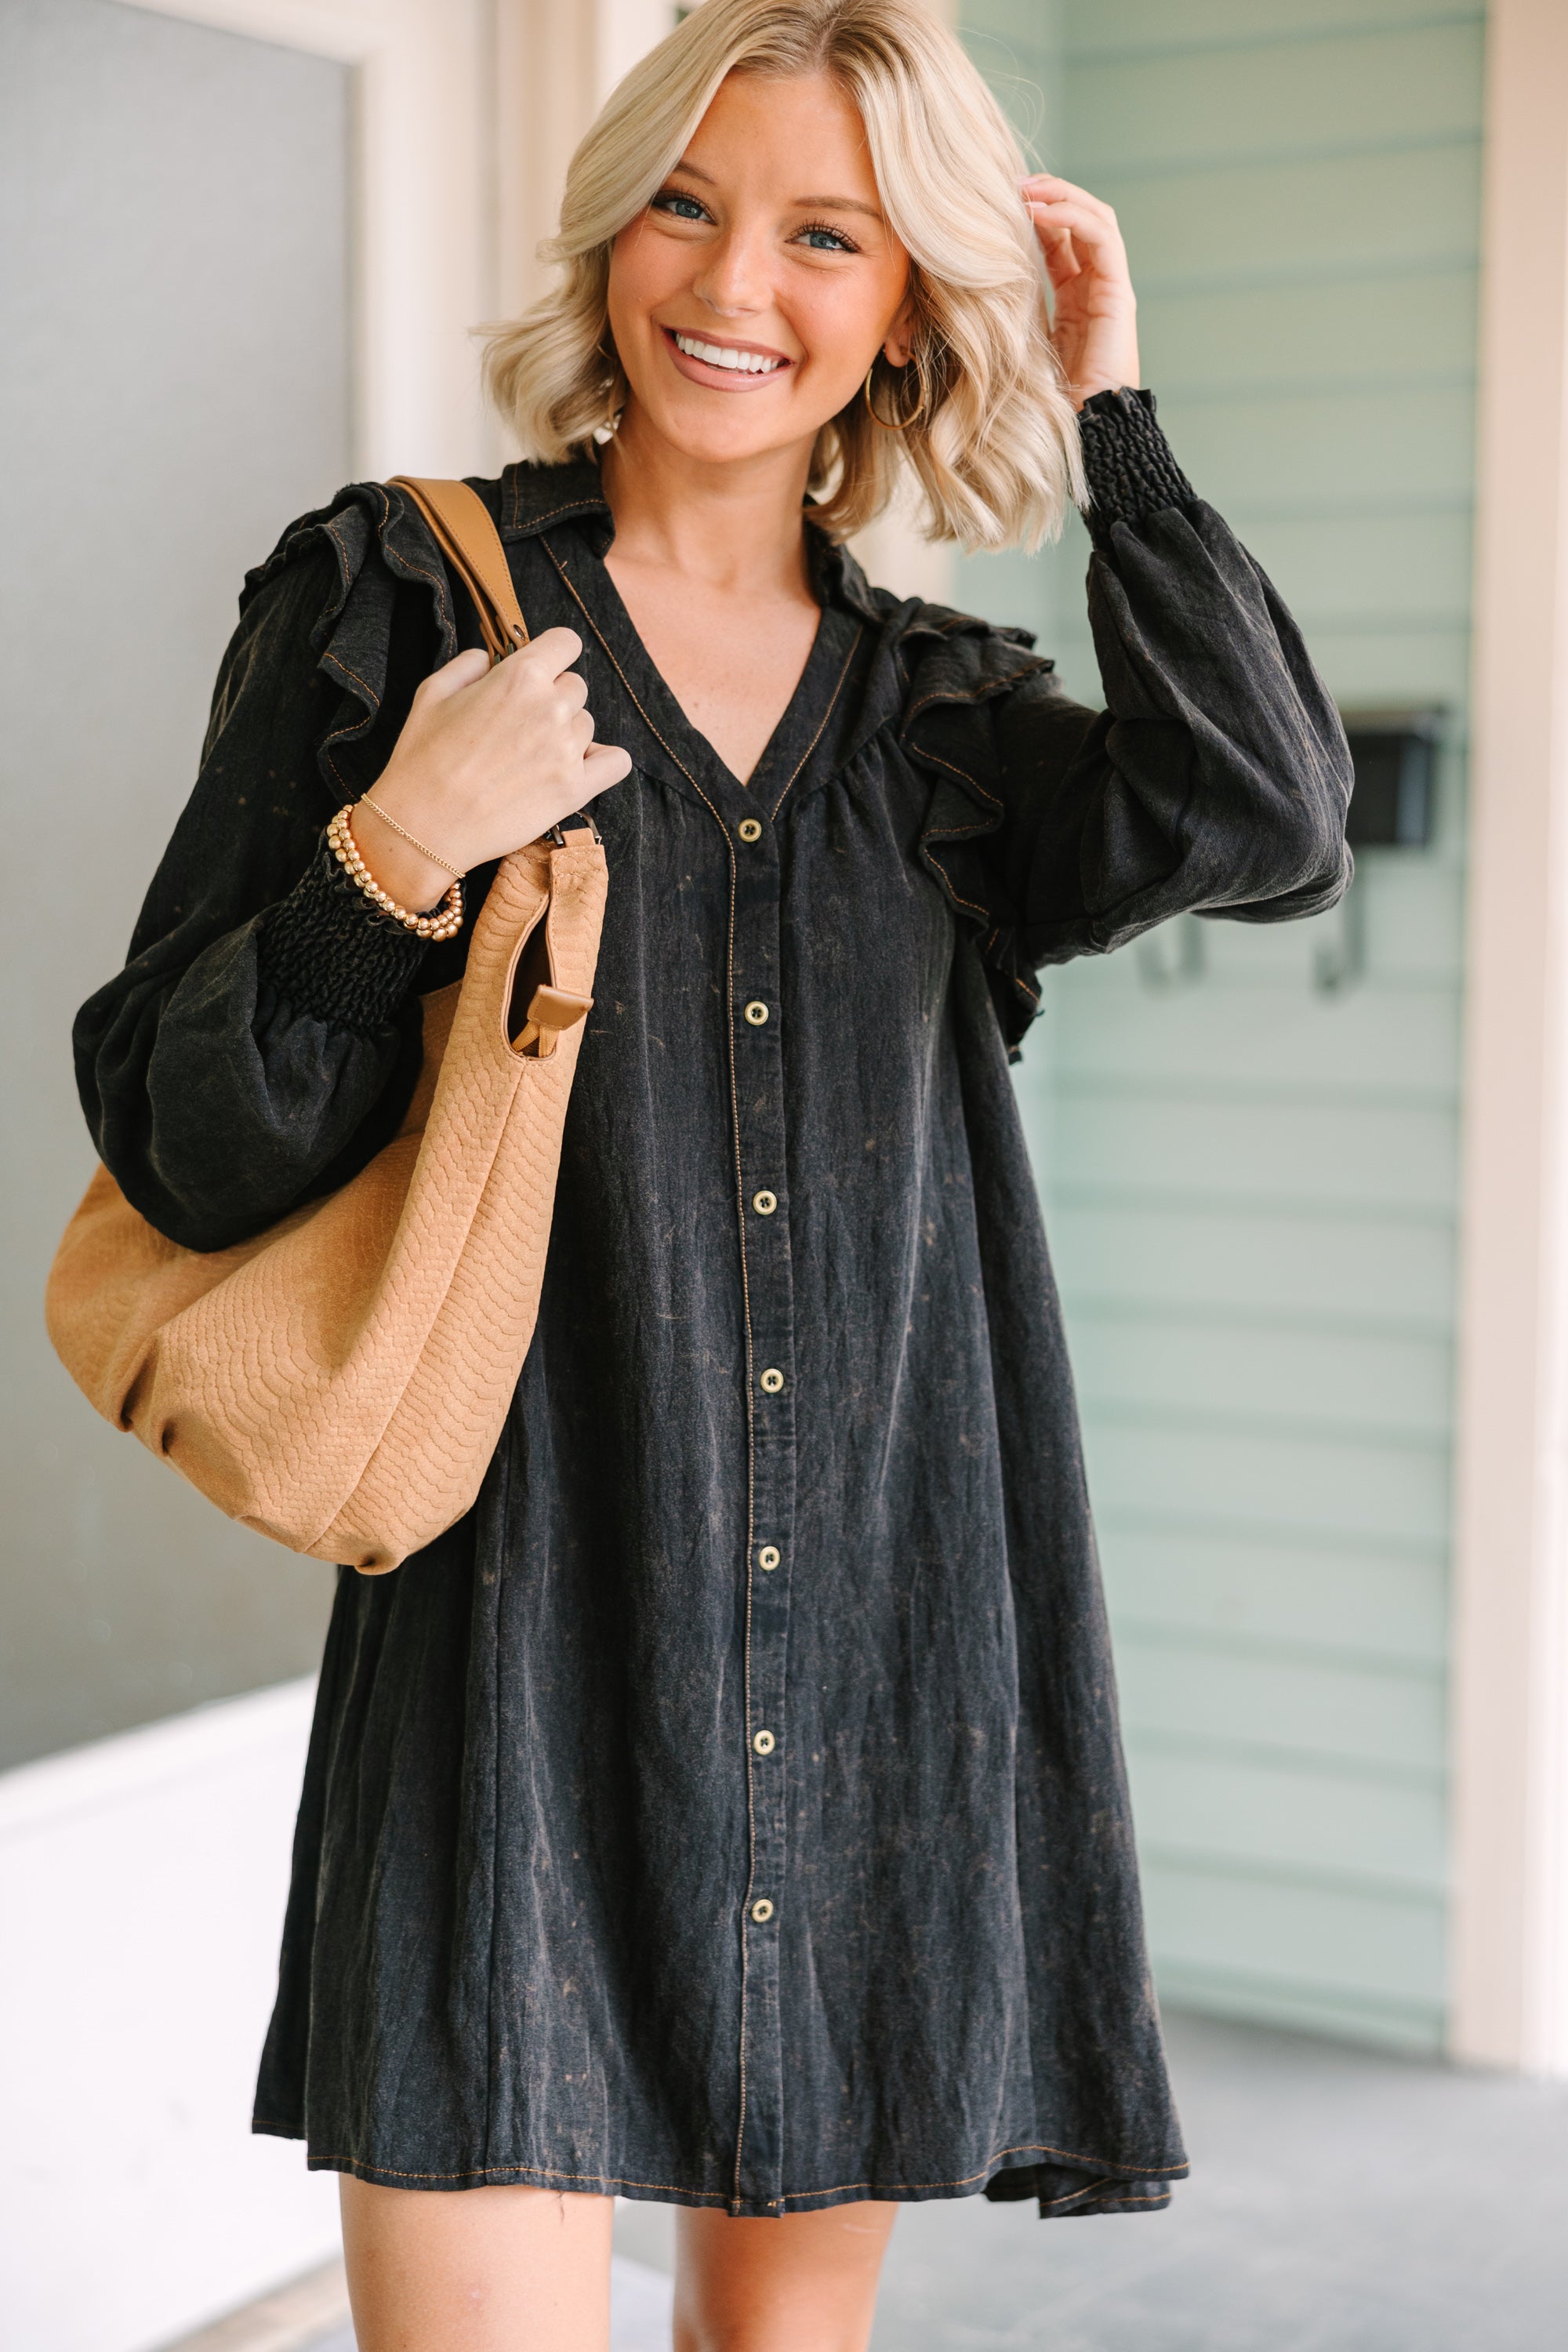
<point>337,663</point>
<point>790,2196</point>
<point>956,895</point>
<point>343,784</point>
<point>1027,2147</point>
<point>746,1319</point>
<point>437,583</point>
<point>620,673</point>
<point>544,2171</point>
<point>937,760</point>
<point>986,693</point>
<point>577,505</point>
<point>956,832</point>
<point>437,580</point>
<point>859,628</point>
<point>330,529</point>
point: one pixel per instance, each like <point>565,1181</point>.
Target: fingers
<point>463,669</point>
<point>1071,225</point>
<point>1048,187</point>
<point>552,651</point>
<point>604,765</point>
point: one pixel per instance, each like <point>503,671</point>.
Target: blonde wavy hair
<point>993,439</point>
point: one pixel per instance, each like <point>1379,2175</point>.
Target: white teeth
<point>717,355</point>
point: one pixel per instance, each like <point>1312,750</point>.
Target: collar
<point>535,498</point>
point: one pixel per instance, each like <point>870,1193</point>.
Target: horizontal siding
<point>1208,1139</point>
<point>1250,1183</point>
<point>1368,1720</point>
<point>1288,1819</point>
<point>1385,449</point>
<point>1258,1371</point>
<point>1178,1465</point>
<point>1402,329</point>
<point>1104,1021</point>
<point>1282,1589</point>
<point>1303,1952</point>
<point>1110,29</point>
<point>1133,1246</point>
<point>1327,218</point>
<point>1395,89</point>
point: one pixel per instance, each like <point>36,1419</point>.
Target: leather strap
<point>460,525</point>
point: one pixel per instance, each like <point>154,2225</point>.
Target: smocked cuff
<point>1127,459</point>
<point>331,952</point>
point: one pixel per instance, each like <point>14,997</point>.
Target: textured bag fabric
<point>340,1381</point>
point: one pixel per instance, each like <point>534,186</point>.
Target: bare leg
<point>476,2270</point>
<point>806,2280</point>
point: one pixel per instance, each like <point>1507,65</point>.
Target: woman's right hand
<point>488,758</point>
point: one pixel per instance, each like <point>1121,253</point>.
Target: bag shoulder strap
<point>460,525</point>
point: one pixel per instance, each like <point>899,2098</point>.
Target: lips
<point>734,367</point>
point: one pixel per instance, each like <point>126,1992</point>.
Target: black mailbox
<point>1394,754</point>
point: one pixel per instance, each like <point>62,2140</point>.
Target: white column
<point>1510,1642</point>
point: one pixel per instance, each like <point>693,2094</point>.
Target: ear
<point>898,342</point>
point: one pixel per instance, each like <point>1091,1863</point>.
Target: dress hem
<point>1103,2191</point>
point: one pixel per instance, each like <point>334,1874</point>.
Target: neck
<point>735,528</point>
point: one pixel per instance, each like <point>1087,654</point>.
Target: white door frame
<point>1510,2004</point>
<point>466,111</point>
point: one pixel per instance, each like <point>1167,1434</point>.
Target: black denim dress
<point>730,1810</point>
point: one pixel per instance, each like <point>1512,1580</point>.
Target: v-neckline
<point>621,612</point>
<point>800,723</point>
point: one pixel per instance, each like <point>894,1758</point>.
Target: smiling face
<point>749,299</point>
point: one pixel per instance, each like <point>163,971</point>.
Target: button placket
<point>760,1045</point>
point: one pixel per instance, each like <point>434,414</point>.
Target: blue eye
<point>823,239</point>
<point>679,206</point>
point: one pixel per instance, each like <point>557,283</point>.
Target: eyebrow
<point>799,203</point>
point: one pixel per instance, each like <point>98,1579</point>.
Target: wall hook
<point>1176,958</point>
<point>1339,962</point>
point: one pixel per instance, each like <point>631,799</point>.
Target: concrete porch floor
<point>1341,2201</point>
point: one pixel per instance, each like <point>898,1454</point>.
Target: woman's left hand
<point>1095,328</point>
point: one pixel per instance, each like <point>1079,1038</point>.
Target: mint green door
<point>1250,1174</point>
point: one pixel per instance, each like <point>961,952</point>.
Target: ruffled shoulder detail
<point>959,670</point>
<point>379,544</point>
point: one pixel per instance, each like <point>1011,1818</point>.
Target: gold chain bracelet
<point>456,872</point>
<point>443,922</point>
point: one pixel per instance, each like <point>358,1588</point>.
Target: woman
<point>728,1811</point>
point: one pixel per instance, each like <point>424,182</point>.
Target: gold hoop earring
<point>901,424</point>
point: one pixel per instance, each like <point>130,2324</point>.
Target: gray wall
<point>174,206</point>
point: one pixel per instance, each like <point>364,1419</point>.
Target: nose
<point>733,281</point>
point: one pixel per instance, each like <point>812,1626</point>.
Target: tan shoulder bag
<point>340,1382</point>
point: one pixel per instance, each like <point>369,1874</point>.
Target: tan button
<point>748,829</point>
<point>769,1556</point>
<point>764,1203</point>
<point>756,1012</point>
<point>772,1383</point>
<point>763,1742</point>
<point>761,1910</point>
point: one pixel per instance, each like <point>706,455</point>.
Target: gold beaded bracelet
<point>443,922</point>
